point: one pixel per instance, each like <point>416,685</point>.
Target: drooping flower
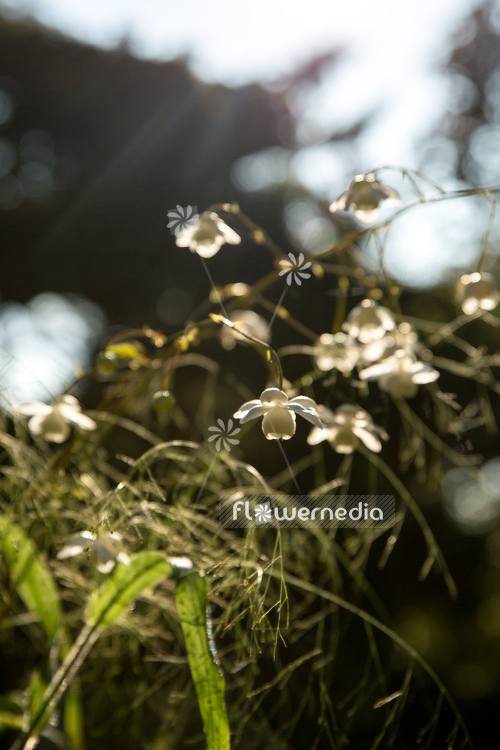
<point>364,196</point>
<point>53,422</point>
<point>207,235</point>
<point>247,321</point>
<point>477,291</point>
<point>400,374</point>
<point>279,413</point>
<point>345,427</point>
<point>107,547</point>
<point>336,351</point>
<point>369,322</point>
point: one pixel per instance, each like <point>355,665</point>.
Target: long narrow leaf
<point>191,595</point>
<point>30,576</point>
<point>128,582</point>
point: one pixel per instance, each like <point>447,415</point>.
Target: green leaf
<point>128,582</point>
<point>191,595</point>
<point>30,576</point>
<point>73,718</point>
<point>37,687</point>
<point>126,350</point>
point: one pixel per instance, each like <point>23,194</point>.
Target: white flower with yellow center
<point>207,235</point>
<point>345,427</point>
<point>279,413</point>
<point>107,547</point>
<point>248,322</point>
<point>369,322</point>
<point>336,351</point>
<point>364,196</point>
<point>400,374</point>
<point>53,422</point>
<point>477,291</point>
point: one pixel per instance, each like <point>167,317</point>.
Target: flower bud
<point>163,402</point>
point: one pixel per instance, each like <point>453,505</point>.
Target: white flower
<point>364,197</point>
<point>345,427</point>
<point>53,422</point>
<point>477,291</point>
<point>369,322</point>
<point>400,374</point>
<point>207,235</point>
<point>336,352</point>
<point>294,269</point>
<point>106,547</point>
<point>224,435</point>
<point>248,322</point>
<point>279,413</point>
<point>182,218</point>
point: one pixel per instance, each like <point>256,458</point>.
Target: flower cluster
<point>381,349</point>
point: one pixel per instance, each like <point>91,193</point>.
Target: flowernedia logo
<point>240,510</point>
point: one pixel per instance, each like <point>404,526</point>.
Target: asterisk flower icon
<point>263,513</point>
<point>400,374</point>
<point>224,436</point>
<point>107,548</point>
<point>279,413</point>
<point>345,427</point>
<point>206,235</point>
<point>294,269</point>
<point>54,422</point>
<point>182,218</point>
<point>364,196</point>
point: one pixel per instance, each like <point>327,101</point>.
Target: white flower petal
<point>230,236</point>
<point>367,216</point>
<point>318,434</point>
<point>345,441</point>
<point>305,402</point>
<point>274,396</point>
<point>50,426</point>
<point>81,420</point>
<point>278,423</point>
<point>206,250</point>
<point>424,374</point>
<point>34,409</point>
<point>106,567</point>
<point>257,411</point>
<point>368,438</point>
<point>376,371</point>
<point>245,408</point>
<point>340,203</point>
<point>311,417</point>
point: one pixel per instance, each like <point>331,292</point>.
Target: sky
<point>265,39</point>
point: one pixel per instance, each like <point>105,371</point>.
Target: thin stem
<point>258,234</point>
<point>269,349</point>
<point>486,237</point>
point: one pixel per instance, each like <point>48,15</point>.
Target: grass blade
<point>191,595</point>
<point>30,576</point>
